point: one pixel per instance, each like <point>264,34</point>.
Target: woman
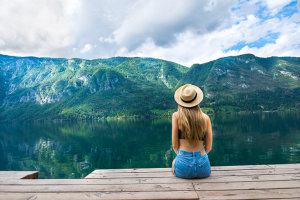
<point>191,134</point>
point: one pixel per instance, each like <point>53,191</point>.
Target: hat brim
<point>197,101</point>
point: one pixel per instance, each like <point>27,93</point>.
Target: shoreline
<point>138,117</point>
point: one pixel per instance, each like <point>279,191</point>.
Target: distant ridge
<point>33,88</point>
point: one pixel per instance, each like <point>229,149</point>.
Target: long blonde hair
<point>193,123</point>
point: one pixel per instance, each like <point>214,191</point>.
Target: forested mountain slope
<point>54,88</point>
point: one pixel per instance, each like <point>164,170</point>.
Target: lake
<point>74,149</point>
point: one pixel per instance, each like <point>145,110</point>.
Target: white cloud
<point>106,40</point>
<point>193,48</point>
<point>187,32</point>
<point>2,43</point>
<point>87,48</point>
<point>161,22</point>
<point>286,45</point>
<point>275,6</point>
<point>36,27</point>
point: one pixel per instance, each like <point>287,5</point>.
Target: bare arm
<point>175,142</point>
<point>208,139</point>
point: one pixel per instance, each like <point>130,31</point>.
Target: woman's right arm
<point>175,142</point>
<point>208,138</point>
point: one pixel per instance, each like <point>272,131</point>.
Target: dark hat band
<point>189,100</point>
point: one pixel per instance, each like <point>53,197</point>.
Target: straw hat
<point>188,95</point>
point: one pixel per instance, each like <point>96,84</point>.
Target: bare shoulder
<point>175,114</point>
<point>206,117</point>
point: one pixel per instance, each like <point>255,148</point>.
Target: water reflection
<point>262,138</point>
<point>72,150</point>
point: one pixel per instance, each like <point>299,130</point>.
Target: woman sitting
<point>191,134</point>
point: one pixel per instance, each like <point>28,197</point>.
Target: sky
<point>182,31</point>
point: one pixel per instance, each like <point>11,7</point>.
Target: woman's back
<point>184,144</point>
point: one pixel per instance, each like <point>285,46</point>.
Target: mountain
<point>55,88</point>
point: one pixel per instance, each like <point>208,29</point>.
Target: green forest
<point>34,88</point>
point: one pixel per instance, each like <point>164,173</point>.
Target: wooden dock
<point>226,182</point>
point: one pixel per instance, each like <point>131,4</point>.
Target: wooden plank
<point>286,166</point>
<point>18,174</point>
<point>247,185</point>
<point>83,181</point>
<point>214,173</point>
<point>33,175</point>
<point>175,195</point>
<point>243,167</point>
<point>130,175</point>
<point>215,168</point>
<point>239,167</point>
<point>233,171</point>
<point>255,172</point>
<point>137,170</point>
<point>250,194</point>
<point>150,170</point>
<point>98,188</point>
<point>272,177</point>
<point>158,180</point>
<point>13,173</point>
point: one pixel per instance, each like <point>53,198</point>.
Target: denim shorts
<point>190,164</point>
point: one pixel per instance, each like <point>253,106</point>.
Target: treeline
<point>259,100</point>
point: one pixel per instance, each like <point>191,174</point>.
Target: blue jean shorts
<point>191,165</point>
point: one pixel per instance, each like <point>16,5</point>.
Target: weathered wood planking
<point>166,195</point>
<point>152,187</point>
<point>214,173</point>
<point>99,188</point>
<point>215,168</point>
<point>250,194</point>
<point>226,182</point>
<point>155,170</point>
<point>286,166</point>
<point>247,185</point>
<point>159,180</point>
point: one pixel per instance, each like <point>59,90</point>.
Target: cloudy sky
<point>182,31</point>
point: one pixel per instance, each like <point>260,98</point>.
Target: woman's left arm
<point>175,142</point>
<point>209,138</point>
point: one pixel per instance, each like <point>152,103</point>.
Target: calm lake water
<point>73,150</point>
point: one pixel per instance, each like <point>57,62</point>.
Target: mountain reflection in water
<point>74,149</point>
